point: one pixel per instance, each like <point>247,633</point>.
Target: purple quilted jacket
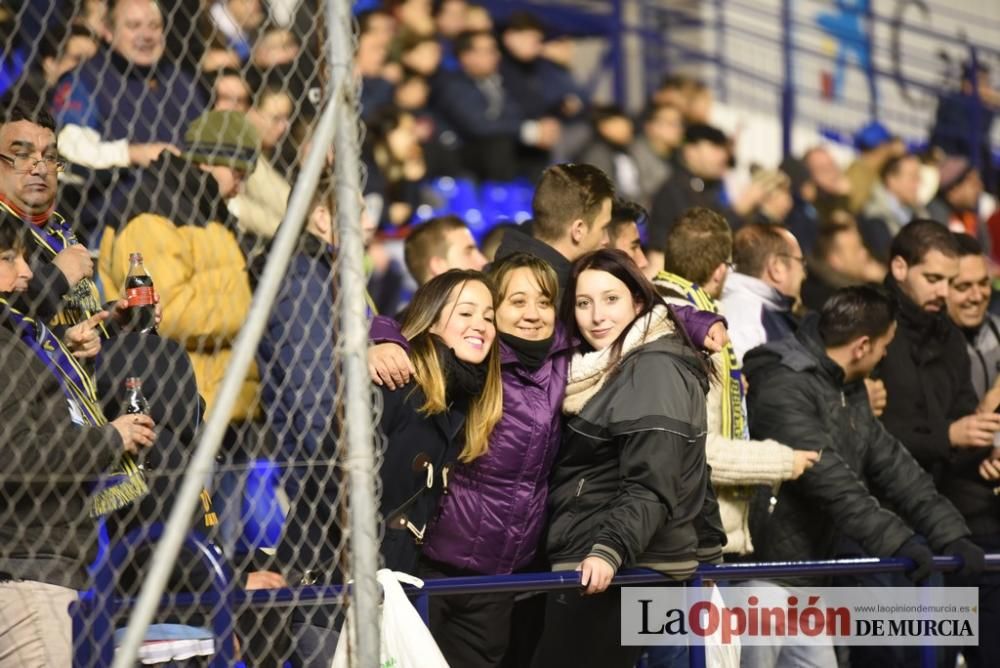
<point>492,515</point>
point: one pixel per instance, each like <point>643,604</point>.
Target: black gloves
<point>922,557</point>
<point>973,557</point>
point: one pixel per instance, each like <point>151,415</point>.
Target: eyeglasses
<point>800,260</point>
<point>730,265</point>
<point>26,163</point>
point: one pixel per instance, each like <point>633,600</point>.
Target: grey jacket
<point>49,465</point>
<point>984,353</point>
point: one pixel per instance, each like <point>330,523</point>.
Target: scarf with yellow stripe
<point>734,424</point>
<point>52,234</point>
<point>126,483</point>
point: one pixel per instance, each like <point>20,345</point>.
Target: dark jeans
<point>471,630</point>
<point>583,631</point>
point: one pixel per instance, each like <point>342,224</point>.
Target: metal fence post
<point>359,461</point>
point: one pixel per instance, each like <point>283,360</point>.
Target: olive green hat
<point>222,138</point>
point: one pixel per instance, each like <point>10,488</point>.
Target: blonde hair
<point>423,312</point>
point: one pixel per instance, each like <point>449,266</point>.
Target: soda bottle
<point>139,292</point>
<point>136,404</point>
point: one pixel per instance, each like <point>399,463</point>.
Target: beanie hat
<point>953,170</point>
<point>222,138</point>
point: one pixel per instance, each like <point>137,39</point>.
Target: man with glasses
<point>760,294</point>
<point>62,291</point>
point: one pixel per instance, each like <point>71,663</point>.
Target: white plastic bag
<point>718,655</point>
<point>406,641</point>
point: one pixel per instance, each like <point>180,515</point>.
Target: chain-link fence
<point>187,417</point>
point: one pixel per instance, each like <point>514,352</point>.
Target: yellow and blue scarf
<point>734,424</point>
<point>127,482</point>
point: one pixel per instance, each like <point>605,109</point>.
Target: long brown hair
<point>424,311</point>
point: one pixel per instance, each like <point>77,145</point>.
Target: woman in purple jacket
<point>491,519</point>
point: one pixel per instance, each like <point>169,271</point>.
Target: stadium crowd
<point>653,371</point>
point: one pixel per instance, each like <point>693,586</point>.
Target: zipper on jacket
<point>843,400</point>
<point>579,487</point>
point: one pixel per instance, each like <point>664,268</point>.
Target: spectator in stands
<point>439,245</point>
<point>478,17</point>
<point>230,91</point>
<point>420,54</point>
<point>760,294</point>
<point>489,121</point>
<point>395,164</point>
<point>623,231</point>
<point>276,46</point>
<point>656,147</point>
<point>61,50</point>
<point>438,142</point>
<point>541,87</point>
<point>296,353</point>
<point>493,239</point>
<point>819,187</point>
<point>238,21</point>
<point>646,500</point>
<point>696,181</point>
<point>611,149</point>
<point>875,146</point>
<point>260,206</point>
<point>448,414</point>
<point>126,105</point>
<point>61,292</point>
<point>375,31</point>
<point>51,430</point>
<point>840,259</point>
<point>957,201</point>
<point>964,118</point>
<point>413,16</point>
<point>932,401</point>
<point>450,21</point>
<point>572,210</point>
<point>193,251</point>
<point>806,391</point>
<point>692,96</point>
<point>698,253</point>
<point>894,202</point>
<point>968,298</point>
<point>776,201</point>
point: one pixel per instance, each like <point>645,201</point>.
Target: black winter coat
<point>928,380</point>
<point>799,396</point>
<point>630,483</point>
<point>415,444</point>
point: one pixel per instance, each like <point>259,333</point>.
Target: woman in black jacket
<point>630,487</point>
<point>447,413</point>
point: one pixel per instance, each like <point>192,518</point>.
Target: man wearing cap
<point>178,221</point>
<point>875,145</point>
<point>696,181</point>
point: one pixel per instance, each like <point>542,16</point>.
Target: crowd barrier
<point>93,614</point>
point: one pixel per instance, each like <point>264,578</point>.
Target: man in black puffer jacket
<point>808,391</point>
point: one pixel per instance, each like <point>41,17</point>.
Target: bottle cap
<point>135,257</point>
<point>133,383</point>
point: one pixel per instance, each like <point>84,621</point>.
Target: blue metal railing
<point>94,614</point>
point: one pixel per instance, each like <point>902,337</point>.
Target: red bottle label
<point>142,296</point>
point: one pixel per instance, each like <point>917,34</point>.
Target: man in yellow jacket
<point>177,219</point>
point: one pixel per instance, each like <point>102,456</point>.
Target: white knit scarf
<point>589,371</point>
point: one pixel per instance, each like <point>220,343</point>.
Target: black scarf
<point>531,354</point>
<point>463,380</point>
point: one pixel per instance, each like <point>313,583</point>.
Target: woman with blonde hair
<point>446,413</point>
